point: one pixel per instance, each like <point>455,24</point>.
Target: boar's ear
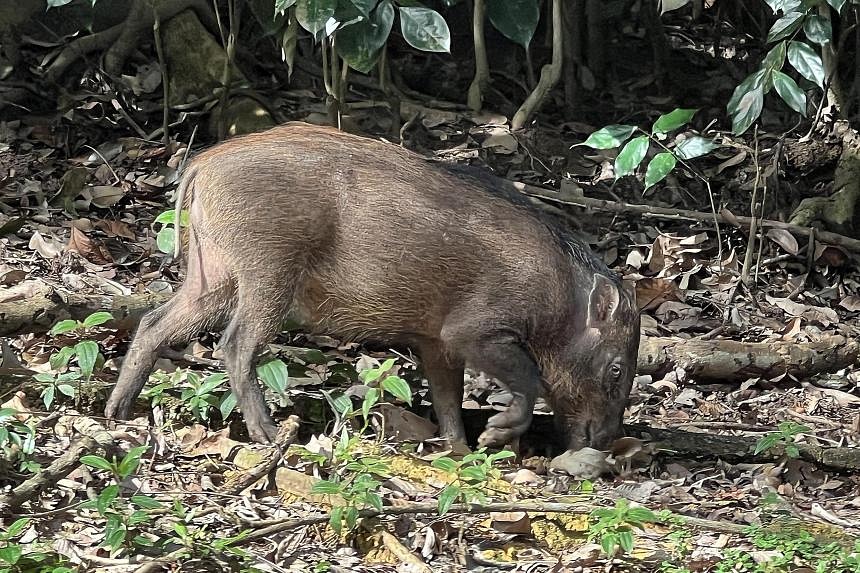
<point>603,301</point>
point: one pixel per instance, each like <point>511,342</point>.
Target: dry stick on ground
<point>286,436</point>
<point>680,214</point>
<point>277,526</point>
<point>96,439</point>
<point>695,445</point>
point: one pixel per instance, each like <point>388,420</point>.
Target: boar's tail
<point>182,196</point>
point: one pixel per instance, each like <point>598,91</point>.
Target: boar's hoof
<point>497,437</point>
<point>263,432</point>
<point>117,409</point>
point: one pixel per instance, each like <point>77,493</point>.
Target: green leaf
<point>227,405</point>
<point>64,326</point>
<point>48,396</point>
<point>500,455</point>
<point>837,5</point>
<point>364,6</point>
<point>474,473</point>
<point>631,156</point>
<point>750,83</point>
<point>17,526</point>
<point>57,3</point>
<point>447,498</point>
<point>818,29</point>
<point>335,519</point>
<point>673,120</point>
<point>693,147</point>
<point>445,464</point>
<point>748,110</point>
<point>397,387</point>
<point>658,168</point>
<point>282,6</point>
<point>424,29</point>
<point>625,540</point>
<point>641,515</point>
<point>129,463</point>
<point>326,487</point>
<point>313,14</point>
<point>97,462</point>
<point>789,91</point>
<point>164,239</point>
<point>274,375</point>
<point>517,20</point>
<point>342,404</point>
<point>775,58</point>
<point>609,136</point>
<point>211,383</point>
<point>66,389</point>
<point>784,5</point>
<point>370,400</point>
<point>97,318</point>
<point>785,26</point>
<point>374,500</point>
<point>137,517</point>
<point>146,502</point>
<point>351,515</point>
<point>608,543</point>
<point>359,44</point>
<point>87,351</point>
<point>166,217</point>
<point>10,554</point>
<point>106,497</point>
<point>806,62</point>
<point>61,359</point>
<point>767,442</point>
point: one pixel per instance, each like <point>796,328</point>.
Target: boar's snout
<point>596,429</point>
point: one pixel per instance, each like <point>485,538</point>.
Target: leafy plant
<point>87,352</point>
<point>165,238</point>
<point>785,436</point>
<point>57,383</point>
<point>635,150</point>
<point>14,558</point>
<point>746,103</point>
<point>18,439</point>
<point>472,475</point>
<point>124,518</point>
<point>614,526</point>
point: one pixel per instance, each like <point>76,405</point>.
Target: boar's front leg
<point>501,355</point>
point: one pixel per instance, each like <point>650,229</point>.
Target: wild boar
<point>364,240</point>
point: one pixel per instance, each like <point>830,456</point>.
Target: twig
<point>162,63</point>
<point>679,214</point>
<point>102,157</point>
<point>286,436</point>
<point>754,209</point>
<point>531,506</point>
<point>96,439</point>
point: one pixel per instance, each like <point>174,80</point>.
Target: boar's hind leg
<point>501,356</point>
<point>446,390</point>
<point>194,308</point>
<point>260,309</point>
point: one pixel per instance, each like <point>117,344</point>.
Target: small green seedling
<point>785,436</point>
<point>17,440</point>
<point>473,474</point>
<point>614,526</point>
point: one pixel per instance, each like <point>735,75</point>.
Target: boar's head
<point>589,382</point>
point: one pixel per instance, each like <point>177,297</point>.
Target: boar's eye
<point>615,371</point>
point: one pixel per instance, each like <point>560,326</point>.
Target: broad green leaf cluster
<point>794,16</point>
<point>636,149</point>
